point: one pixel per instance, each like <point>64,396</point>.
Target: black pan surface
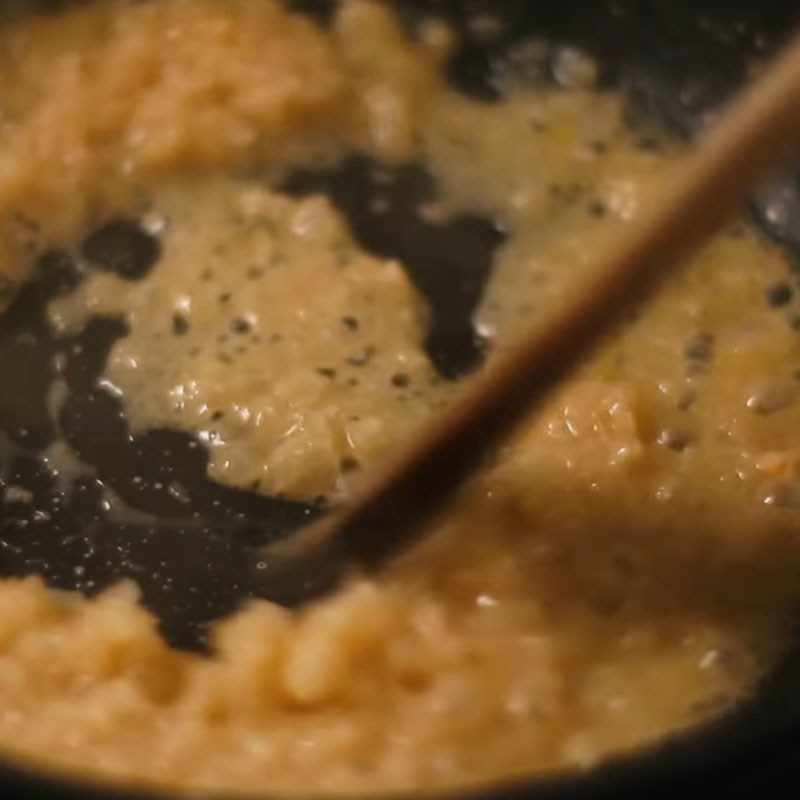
<point>194,553</point>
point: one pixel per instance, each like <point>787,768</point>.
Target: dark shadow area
<point>448,261</point>
<point>140,506</point>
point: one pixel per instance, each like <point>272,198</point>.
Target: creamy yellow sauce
<point>296,355</point>
<point>96,104</point>
<point>622,570</point>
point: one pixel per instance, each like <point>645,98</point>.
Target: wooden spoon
<point>757,130</point>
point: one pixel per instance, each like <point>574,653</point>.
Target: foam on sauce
<point>295,355</point>
<point>621,571</point>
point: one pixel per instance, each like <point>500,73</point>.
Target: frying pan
<point>193,556</point>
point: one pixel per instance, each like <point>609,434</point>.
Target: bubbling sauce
<point>294,354</point>
<point>622,570</point>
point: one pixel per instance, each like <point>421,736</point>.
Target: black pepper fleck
<point>778,295</point>
<point>179,324</point>
<point>326,372</point>
<point>597,208</point>
<point>224,297</point>
<point>699,348</point>
<point>351,323</point>
<point>349,464</point>
<point>240,326</point>
<point>599,147</point>
<point>400,380</point>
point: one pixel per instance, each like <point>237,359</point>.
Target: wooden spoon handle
<point>693,201</point>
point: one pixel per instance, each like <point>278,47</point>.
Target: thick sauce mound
<point>622,570</point>
<point>96,104</point>
<point>296,355</point>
